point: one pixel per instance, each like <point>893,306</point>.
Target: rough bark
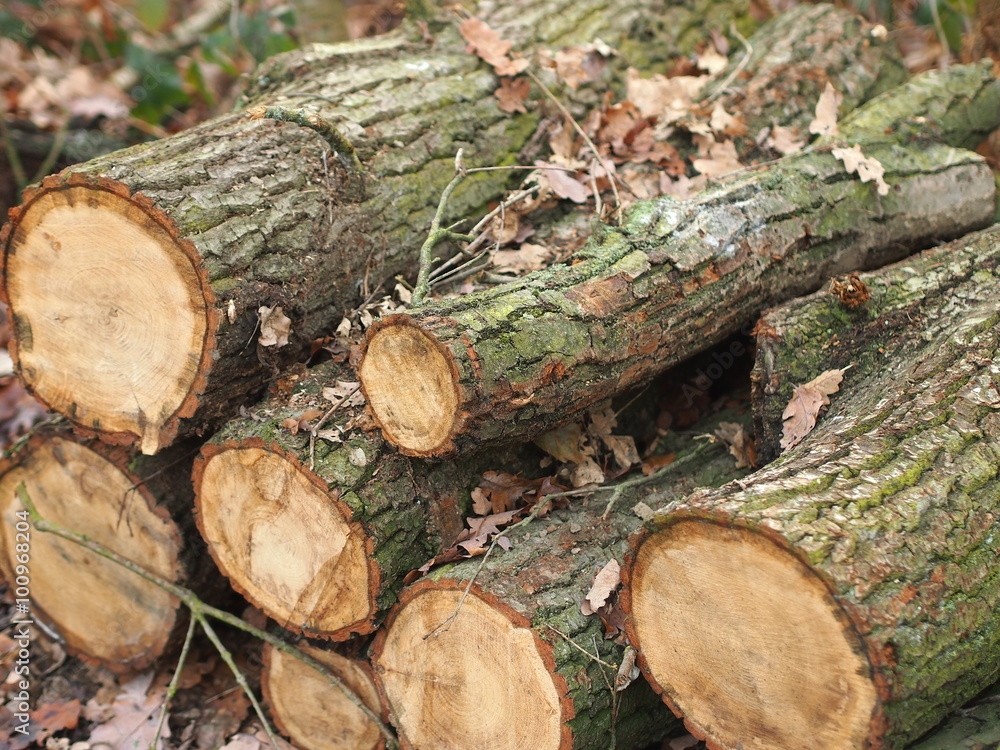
<point>801,339</point>
<point>792,58</point>
<point>852,585</point>
<point>105,613</point>
<point>314,714</point>
<point>319,534</point>
<point>179,242</point>
<point>509,363</point>
<point>499,673</point>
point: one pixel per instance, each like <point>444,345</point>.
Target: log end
<point>410,381</point>
<point>111,310</point>
<point>285,541</point>
<point>104,612</point>
<point>746,642</point>
<point>481,679</point>
<point>315,714</point>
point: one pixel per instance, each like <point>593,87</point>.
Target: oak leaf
<point>868,168</point>
<point>803,409</point>
<point>512,93</point>
<point>825,122</point>
<point>740,444</point>
<point>488,44</point>
<point>274,326</point>
<point>605,582</point>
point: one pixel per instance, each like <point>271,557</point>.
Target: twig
<point>578,647</point>
<point>174,681</point>
<point>436,234</point>
<point>13,158</point>
<point>340,145</point>
<point>586,138</point>
<point>942,37</point>
<point>322,421</point>
<point>737,70</point>
<point>200,611</point>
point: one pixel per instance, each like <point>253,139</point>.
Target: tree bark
<point>177,244</point>
<point>318,534</point>
<point>512,362</point>
<point>314,714</point>
<point>105,613</point>
<point>500,672</point>
<point>846,595</point>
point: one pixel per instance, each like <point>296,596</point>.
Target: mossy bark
<point>400,511</point>
<point>799,340</point>
<point>263,214</point>
<point>676,277</point>
<point>891,503</point>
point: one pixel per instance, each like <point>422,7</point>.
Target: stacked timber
<point>847,595</point>
<point>154,290</point>
<point>139,507</point>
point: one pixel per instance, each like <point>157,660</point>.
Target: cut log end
<point>411,384</point>
<point>315,714</point>
<point>105,613</point>
<point>286,544</point>
<point>111,312</point>
<point>451,686</point>
<point>760,655</point>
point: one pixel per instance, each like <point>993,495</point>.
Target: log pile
<point>824,600</point>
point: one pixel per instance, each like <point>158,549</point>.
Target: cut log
<point>848,594</point>
<point>314,714</point>
<point>319,534</point>
<point>104,613</point>
<point>500,673</point>
<point>512,362</point>
<point>135,281</point>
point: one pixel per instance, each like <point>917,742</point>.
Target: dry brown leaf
<point>344,389</point>
<point>274,326</point>
<point>712,61</point>
<point>723,122</point>
<point>654,463</point>
<point>605,582</point>
<point>130,722</point>
<point>623,448</point>
<point>722,160</point>
<point>825,122</point>
<point>740,444</point>
<point>868,169</point>
<point>785,140</point>
<point>512,93</point>
<point>563,184</point>
<point>586,472</point>
<point>488,44</point>
<point>527,257</point>
<point>481,502</point>
<point>659,96</point>
<point>803,409</point>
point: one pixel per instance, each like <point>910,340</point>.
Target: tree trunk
<point>135,280</point>
<point>500,673</point>
<point>510,363</point>
<point>105,613</point>
<point>319,534</point>
<point>314,714</point>
<point>846,595</point>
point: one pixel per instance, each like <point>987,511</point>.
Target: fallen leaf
<point>606,581</point>
<point>723,122</point>
<point>130,722</point>
<point>659,96</point>
<point>527,257</point>
<point>586,472</point>
<point>654,463</point>
<point>722,160</point>
<point>344,389</point>
<point>274,326</point>
<point>803,409</point>
<point>512,93</point>
<point>825,122</point>
<point>481,502</point>
<point>740,444</point>
<point>710,60</point>
<point>785,140</point>
<point>563,184</point>
<point>563,443</point>
<point>850,290</point>
<point>623,448</point>
<point>488,44</point>
<point>869,169</point>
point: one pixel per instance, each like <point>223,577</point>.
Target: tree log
<point>314,714</point>
<point>509,363</point>
<point>500,673</point>
<point>318,534</point>
<point>847,595</point>
<point>104,613</point>
<point>135,280</point>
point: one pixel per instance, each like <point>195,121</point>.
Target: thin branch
<point>174,681</point>
<point>737,70</point>
<point>199,610</point>
<point>578,647</point>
